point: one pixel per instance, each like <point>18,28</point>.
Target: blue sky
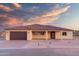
<point>58,14</point>
<point>69,19</point>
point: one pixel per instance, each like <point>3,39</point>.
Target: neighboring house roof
<point>38,27</point>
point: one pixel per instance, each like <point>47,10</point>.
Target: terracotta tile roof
<point>38,27</point>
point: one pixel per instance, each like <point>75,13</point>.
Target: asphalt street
<point>40,52</point>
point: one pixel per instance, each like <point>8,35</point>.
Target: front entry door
<point>52,35</point>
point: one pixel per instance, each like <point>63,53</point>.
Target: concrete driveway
<point>23,44</point>
<point>40,52</point>
<point>39,48</point>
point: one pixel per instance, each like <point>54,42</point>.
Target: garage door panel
<point>18,35</point>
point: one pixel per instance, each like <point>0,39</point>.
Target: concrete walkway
<point>23,44</point>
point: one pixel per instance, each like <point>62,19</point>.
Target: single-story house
<point>38,32</point>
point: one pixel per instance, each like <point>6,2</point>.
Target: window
<point>38,33</point>
<point>64,33</point>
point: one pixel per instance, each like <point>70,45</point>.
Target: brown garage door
<point>18,35</point>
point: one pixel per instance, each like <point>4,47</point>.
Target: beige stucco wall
<point>38,37</point>
<point>48,35</point>
<point>7,35</point>
<point>58,34</point>
<point>29,35</point>
<point>69,35</point>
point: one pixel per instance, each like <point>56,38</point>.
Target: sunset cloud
<point>17,5</point>
<point>5,8</point>
<point>13,21</point>
<point>43,18</point>
<point>48,16</point>
<point>3,15</point>
<point>32,9</point>
<point>56,12</point>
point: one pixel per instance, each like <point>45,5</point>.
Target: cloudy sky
<point>57,14</point>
